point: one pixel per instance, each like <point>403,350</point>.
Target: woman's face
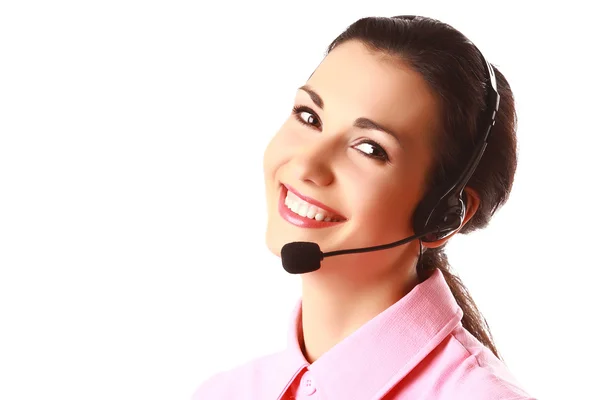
<point>351,160</point>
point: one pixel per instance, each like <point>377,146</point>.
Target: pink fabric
<point>416,349</point>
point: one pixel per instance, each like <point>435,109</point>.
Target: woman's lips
<point>299,220</point>
<point>315,202</point>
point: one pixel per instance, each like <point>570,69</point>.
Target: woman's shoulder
<point>477,372</point>
<point>248,377</point>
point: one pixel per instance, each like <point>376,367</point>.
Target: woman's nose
<point>313,163</point>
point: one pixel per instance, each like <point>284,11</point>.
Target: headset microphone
<point>303,257</point>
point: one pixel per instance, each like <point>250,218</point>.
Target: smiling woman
<point>390,129</point>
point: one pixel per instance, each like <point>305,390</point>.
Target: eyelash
<point>297,110</point>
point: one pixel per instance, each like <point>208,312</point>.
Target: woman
<point>392,118</point>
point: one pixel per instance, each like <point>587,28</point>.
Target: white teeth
<point>305,209</point>
<point>302,210</point>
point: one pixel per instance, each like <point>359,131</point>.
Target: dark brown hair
<point>454,70</point>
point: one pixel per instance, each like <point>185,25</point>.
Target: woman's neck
<point>335,305</point>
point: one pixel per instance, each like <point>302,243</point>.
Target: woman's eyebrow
<point>362,122</point>
<point>366,123</point>
<point>314,96</point>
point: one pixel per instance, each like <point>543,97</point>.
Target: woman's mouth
<point>305,212</point>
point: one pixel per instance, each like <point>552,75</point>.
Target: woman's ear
<point>472,204</point>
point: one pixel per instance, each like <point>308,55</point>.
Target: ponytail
<point>472,320</point>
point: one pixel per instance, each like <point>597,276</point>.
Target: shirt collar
<point>369,362</point>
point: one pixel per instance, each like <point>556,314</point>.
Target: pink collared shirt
<point>417,349</point>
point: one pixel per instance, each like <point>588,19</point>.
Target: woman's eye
<point>373,150</point>
<point>306,116</point>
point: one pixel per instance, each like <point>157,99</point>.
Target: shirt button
<point>308,384</point>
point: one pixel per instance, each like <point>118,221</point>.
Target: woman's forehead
<point>354,79</point>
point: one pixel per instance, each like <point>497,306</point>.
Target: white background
<point>132,217</point>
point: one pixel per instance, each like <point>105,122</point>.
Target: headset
<point>442,210</point>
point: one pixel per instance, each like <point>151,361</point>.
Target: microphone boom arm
<point>375,248</point>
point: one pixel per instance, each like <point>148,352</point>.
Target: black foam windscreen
<point>301,257</point>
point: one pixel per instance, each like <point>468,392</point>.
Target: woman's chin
<point>275,249</point>
<point>276,239</point>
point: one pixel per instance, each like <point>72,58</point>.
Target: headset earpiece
<point>440,215</point>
